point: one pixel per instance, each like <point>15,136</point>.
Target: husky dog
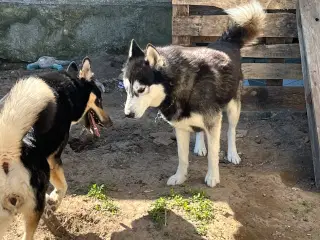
<point>35,120</point>
<point>192,86</point>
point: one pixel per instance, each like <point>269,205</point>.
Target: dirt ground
<point>270,195</point>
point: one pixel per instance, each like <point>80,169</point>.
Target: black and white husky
<point>192,86</point>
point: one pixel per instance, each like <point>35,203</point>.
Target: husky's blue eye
<point>141,90</point>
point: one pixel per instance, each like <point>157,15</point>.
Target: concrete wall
<point>72,28</point>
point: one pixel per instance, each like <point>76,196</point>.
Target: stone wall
<point>73,28</point>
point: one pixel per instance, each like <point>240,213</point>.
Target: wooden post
<point>308,19</point>
<point>179,11</point>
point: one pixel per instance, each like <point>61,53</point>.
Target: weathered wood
<point>272,51</point>
<point>260,51</point>
<point>180,11</point>
<point>308,19</point>
<point>205,10</point>
<point>275,82</point>
<point>271,71</point>
<point>267,4</point>
<point>272,98</point>
<point>277,25</point>
<point>203,39</point>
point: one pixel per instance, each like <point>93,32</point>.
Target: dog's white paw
<point>212,179</point>
<point>50,207</point>
<point>53,201</point>
<point>233,157</point>
<point>200,150</point>
<point>176,179</point>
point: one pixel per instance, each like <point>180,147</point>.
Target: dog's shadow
<point>176,228</point>
<point>60,232</point>
<point>88,236</point>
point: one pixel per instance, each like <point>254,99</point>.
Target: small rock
<point>148,191</point>
<point>264,195</point>
<point>277,143</point>
<point>306,139</point>
<point>257,139</point>
<point>137,132</point>
<point>290,118</point>
<point>309,234</point>
<point>241,133</point>
<point>163,141</point>
<point>163,138</point>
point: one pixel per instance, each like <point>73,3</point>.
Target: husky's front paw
<point>212,179</point>
<point>176,179</point>
<point>233,157</point>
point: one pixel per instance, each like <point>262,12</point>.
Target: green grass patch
<point>195,204</point>
<point>105,204</point>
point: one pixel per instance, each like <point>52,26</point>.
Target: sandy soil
<point>270,195</point>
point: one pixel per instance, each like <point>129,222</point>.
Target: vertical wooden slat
<point>308,19</point>
<point>178,11</point>
<point>271,41</point>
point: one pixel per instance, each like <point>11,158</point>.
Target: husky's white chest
<point>195,120</point>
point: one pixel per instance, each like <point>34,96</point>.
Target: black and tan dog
<point>34,128</point>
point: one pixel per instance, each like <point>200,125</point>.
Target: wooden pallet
<point>203,21</point>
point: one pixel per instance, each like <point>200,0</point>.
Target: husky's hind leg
<point>200,146</point>
<point>233,112</point>
<point>213,135</point>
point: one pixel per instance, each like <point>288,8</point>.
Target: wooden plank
<point>206,10</point>
<point>204,39</point>
<point>272,51</point>
<point>271,71</point>
<point>277,25</point>
<point>272,98</point>
<point>308,18</point>
<point>275,82</point>
<point>178,11</point>
<point>260,51</point>
<point>267,4</point>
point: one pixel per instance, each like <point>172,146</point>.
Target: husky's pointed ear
<point>72,67</point>
<point>85,72</point>
<point>135,50</point>
<point>153,56</point>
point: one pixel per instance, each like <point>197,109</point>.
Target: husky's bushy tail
<point>21,109</point>
<point>249,21</point>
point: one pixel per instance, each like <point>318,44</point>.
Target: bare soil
<point>270,195</point>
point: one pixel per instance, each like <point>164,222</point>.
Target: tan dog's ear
<point>153,56</point>
<point>85,72</point>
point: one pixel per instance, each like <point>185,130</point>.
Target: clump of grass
<point>105,203</point>
<point>196,205</point>
<point>158,211</point>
